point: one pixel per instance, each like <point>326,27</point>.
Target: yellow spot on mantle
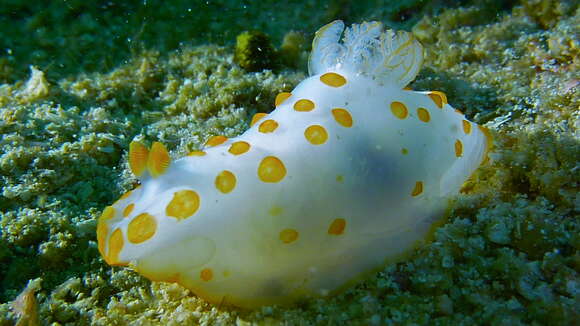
<point>184,204</point>
<point>337,226</point>
<point>197,153</point>
<point>206,274</point>
<point>268,126</point>
<point>280,98</point>
<point>225,182</point>
<point>333,79</point>
<point>115,246</point>
<point>466,127</point>
<point>107,214</point>
<point>125,195</point>
<point>316,134</point>
<point>288,235</point>
<point>271,170</point>
<point>141,228</point>
<point>276,210</point>
<point>343,117</point>
<point>257,117</point>
<point>399,110</point>
<point>423,114</point>
<point>304,105</point>
<point>439,98</point>
<point>239,147</point>
<point>216,140</point>
<point>127,211</point>
<point>418,189</point>
<point>458,148</point>
<point>102,231</point>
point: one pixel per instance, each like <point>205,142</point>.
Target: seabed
<point>79,81</point>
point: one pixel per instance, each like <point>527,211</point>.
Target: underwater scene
<point>111,110</point>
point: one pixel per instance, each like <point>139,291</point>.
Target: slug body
<point>348,172</point>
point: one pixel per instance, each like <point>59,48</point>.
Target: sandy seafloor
<point>79,81</point>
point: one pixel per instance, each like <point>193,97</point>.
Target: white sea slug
<point>349,172</point>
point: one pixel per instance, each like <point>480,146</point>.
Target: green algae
<point>254,51</point>
<point>507,255</point>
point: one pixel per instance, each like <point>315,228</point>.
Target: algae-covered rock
<point>548,13</point>
<point>292,51</point>
<point>254,51</point>
<point>36,88</point>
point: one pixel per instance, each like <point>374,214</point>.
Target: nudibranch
<point>350,171</point>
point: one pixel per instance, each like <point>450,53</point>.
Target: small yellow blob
<point>280,98</point>
<point>206,274</point>
<point>268,126</point>
<point>102,231</point>
<point>488,143</point>
<point>333,79</point>
<point>271,169</point>
<point>458,148</point>
<point>343,117</point>
<point>115,246</point>
<point>183,204</point>
<point>399,110</point>
<point>127,211</point>
<point>125,195</point>
<point>257,117</point>
<point>337,226</point>
<point>304,105</point>
<point>107,214</point>
<point>439,98</point>
<point>197,153</point>
<point>418,189</point>
<point>172,278</point>
<point>466,127</point>
<point>158,160</point>
<point>276,210</point>
<point>316,134</point>
<point>340,178</point>
<point>288,235</point>
<point>138,155</point>
<point>404,151</point>
<point>423,114</point>
<point>216,140</point>
<point>141,228</point>
<point>225,182</point>
<point>239,147</point>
